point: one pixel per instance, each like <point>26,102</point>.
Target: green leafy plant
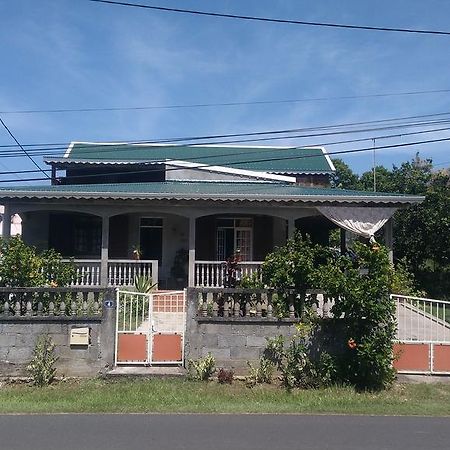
<point>144,284</point>
<point>360,287</point>
<point>41,367</point>
<point>263,373</point>
<point>22,265</point>
<point>179,267</point>
<point>290,268</point>
<point>202,369</point>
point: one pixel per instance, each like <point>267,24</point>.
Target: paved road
<point>222,432</point>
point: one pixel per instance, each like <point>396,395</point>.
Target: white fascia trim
<point>231,171</point>
<point>69,149</point>
<point>327,157</point>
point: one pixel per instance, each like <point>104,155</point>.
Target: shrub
<point>41,367</point>
<point>22,266</point>
<point>360,287</point>
<point>143,284</point>
<point>225,376</point>
<point>202,369</point>
<point>290,267</point>
<point>261,374</point>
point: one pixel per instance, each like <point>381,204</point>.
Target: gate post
<point>108,328</point>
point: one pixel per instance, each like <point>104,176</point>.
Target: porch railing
<point>213,273</point>
<point>121,272</point>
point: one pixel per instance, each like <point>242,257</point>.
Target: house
<point>176,212</point>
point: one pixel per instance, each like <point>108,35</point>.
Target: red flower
<point>351,344</point>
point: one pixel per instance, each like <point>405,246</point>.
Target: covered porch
<point>187,249</point>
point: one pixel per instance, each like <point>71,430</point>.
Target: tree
<point>344,178</point>
<point>383,177</point>
<point>22,266</point>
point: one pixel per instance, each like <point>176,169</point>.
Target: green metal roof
<point>270,159</point>
<point>169,190</point>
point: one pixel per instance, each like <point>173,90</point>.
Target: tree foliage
<point>22,266</point>
<point>422,231</point>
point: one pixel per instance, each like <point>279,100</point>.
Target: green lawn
<point>178,395</point>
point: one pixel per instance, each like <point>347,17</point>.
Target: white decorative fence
<point>214,273</point>
<point>121,272</point>
<point>422,319</point>
<point>423,335</point>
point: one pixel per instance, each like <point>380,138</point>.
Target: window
<point>151,230</point>
<point>234,234</point>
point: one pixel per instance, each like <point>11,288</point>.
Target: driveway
<point>221,432</point>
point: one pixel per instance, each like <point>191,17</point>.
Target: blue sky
<point>77,54</point>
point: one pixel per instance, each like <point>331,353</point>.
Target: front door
<point>234,234</point>
<point>151,236</point>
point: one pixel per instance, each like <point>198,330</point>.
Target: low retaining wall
<point>19,333</point>
<point>233,342</point>
<point>233,337</point>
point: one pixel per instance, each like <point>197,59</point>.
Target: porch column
<point>104,252</point>
<point>389,239</point>
<point>191,273</point>
<point>291,228</point>
<point>6,222</point>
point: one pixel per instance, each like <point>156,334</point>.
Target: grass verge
<point>181,396</point>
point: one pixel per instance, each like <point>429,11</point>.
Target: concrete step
<point>146,371</point>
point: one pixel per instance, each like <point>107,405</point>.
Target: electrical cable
<point>273,20</point>
<point>24,151</point>
<point>256,150</point>
<point>211,105</point>
<point>402,145</point>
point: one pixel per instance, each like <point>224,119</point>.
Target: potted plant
<point>136,252</point>
<point>179,267</point>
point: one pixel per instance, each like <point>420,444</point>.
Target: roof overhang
<point>245,196</point>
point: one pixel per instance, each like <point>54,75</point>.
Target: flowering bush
<point>360,286</point>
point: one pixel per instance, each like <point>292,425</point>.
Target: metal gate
<point>150,328</point>
<point>423,335</point>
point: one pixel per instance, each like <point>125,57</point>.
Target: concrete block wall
<point>18,337</point>
<point>231,340</point>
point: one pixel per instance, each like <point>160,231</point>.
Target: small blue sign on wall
<point>109,303</point>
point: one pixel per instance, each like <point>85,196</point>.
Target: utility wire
<point>237,163</point>
<point>255,150</point>
<point>259,133</point>
<point>100,148</point>
<point>24,151</point>
<point>210,105</point>
<point>273,20</point>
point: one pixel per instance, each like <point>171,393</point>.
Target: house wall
<point>203,175</point>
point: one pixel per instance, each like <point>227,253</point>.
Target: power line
<point>340,152</point>
<point>24,151</point>
<point>227,104</point>
<point>259,133</point>
<point>259,151</point>
<point>86,149</point>
<point>274,20</point>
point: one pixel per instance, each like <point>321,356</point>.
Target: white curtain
<point>364,221</point>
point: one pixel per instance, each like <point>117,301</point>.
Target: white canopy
<point>365,221</point>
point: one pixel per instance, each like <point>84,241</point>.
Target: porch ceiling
<point>218,191</point>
